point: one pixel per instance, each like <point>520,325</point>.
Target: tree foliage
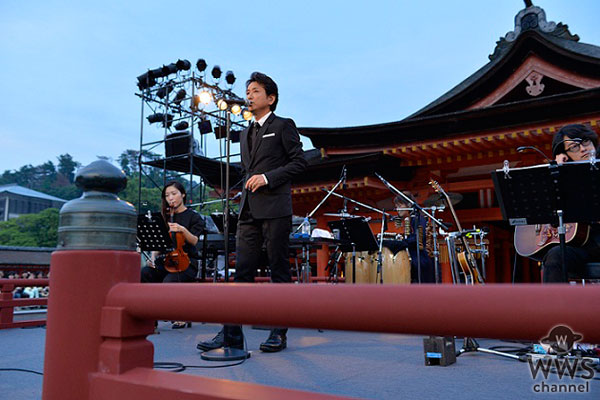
<point>31,230</point>
<point>58,180</point>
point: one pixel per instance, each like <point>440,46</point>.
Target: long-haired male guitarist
<point>565,150</point>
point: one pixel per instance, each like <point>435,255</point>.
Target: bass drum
<point>366,267</point>
<point>396,268</point>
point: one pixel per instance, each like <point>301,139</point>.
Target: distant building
<point>17,200</point>
<point>25,259</point>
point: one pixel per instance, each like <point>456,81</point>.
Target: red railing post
<point>95,251</point>
<point>8,304</point>
<point>6,312</point>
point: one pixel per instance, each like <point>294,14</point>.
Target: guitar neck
<point>457,222</point>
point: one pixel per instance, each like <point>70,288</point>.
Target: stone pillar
<point>96,250</point>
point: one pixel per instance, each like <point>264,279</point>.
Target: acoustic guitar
<point>466,260</point>
<point>534,241</point>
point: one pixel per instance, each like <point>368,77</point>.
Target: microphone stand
<point>410,202</point>
<point>362,204</point>
<point>329,193</point>
<point>214,201</point>
<point>305,250</point>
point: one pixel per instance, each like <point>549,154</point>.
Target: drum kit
<point>390,262</point>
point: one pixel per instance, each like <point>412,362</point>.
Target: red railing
<point>8,303</point>
<point>96,346</point>
<point>492,311</point>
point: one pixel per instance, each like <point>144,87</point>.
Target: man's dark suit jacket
<point>277,153</point>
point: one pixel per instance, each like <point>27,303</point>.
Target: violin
<point>177,260</point>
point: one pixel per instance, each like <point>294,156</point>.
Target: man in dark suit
<point>271,156</point>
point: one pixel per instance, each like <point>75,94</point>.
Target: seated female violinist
<point>565,150</point>
<point>182,221</point>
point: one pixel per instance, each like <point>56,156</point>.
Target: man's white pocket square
<point>269,135</point>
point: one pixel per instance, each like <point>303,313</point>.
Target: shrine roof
<point>457,111</point>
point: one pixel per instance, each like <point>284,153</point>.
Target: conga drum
<point>365,272</point>
<point>396,268</point>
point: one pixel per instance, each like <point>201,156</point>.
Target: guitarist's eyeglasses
<point>577,146</point>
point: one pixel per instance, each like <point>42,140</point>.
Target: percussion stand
<point>416,217</point>
<point>417,208</point>
<point>358,234</point>
<point>436,249</point>
<point>380,249</point>
<point>332,264</point>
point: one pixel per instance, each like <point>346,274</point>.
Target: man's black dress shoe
<point>276,341</point>
<point>234,338</point>
<point>214,343</point>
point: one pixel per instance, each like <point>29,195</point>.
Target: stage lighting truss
<point>183,93</point>
<point>183,99</point>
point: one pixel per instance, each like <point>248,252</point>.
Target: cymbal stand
<point>380,250</point>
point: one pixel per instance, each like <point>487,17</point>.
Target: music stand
<point>549,194</point>
<point>357,232</point>
<point>217,218</point>
<point>152,233</point>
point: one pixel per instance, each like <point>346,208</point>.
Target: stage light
<point>205,97</point>
<point>145,81</point>
<point>246,114</point>
<point>222,104</point>
<point>183,65</point>
<point>160,117</point>
<point>216,72</point>
<point>236,109</point>
<point>230,77</point>
<point>179,96</point>
<point>201,64</point>
<point>168,69</point>
<point>164,91</point>
<point>182,126</point>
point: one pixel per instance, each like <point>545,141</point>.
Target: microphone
<point>523,148</point>
<point>344,186</point>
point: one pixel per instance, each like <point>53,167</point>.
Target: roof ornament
<point>532,18</point>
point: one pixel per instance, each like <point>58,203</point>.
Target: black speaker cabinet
<point>177,143</point>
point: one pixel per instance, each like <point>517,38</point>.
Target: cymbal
<point>438,200</point>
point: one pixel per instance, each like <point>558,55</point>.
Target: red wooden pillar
<point>6,313</point>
